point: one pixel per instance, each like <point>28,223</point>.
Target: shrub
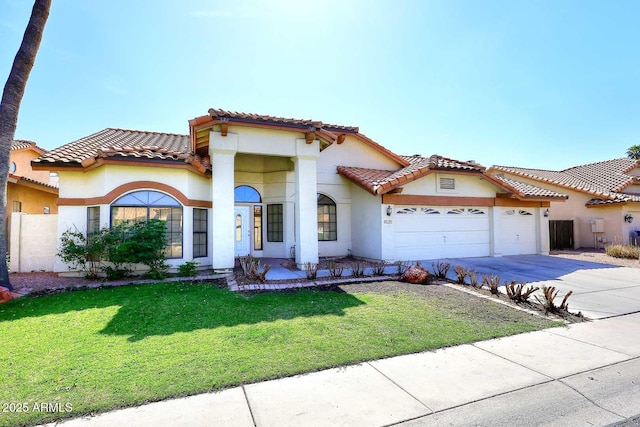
<point>188,269</point>
<point>517,292</point>
<point>122,245</point>
<point>260,271</point>
<point>246,263</point>
<point>548,300</point>
<point>473,279</point>
<point>492,282</point>
<point>85,253</point>
<point>461,274</point>
<point>440,269</point>
<point>335,269</point>
<point>311,269</point>
<point>378,268</point>
<point>401,267</point>
<point>623,251</point>
<point>357,269</point>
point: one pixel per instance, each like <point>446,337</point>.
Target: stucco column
<point>306,208</point>
<point>542,231</point>
<point>223,150</point>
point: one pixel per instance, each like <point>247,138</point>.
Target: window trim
<point>328,223</point>
<point>279,238</point>
<point>89,220</point>
<point>200,233</point>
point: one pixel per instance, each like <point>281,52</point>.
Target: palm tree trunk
<point>9,107</point>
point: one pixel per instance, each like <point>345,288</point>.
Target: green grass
<point>113,347</point>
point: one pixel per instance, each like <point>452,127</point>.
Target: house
<point>603,204</point>
<point>277,187</point>
<point>29,191</point>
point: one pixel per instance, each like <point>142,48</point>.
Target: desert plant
<point>440,269</point>
<point>188,269</point>
<point>378,268</point>
<point>311,269</point>
<point>549,294</point>
<point>401,267</point>
<point>246,263</point>
<point>357,268</point>
<point>492,282</point>
<point>517,292</point>
<point>335,269</point>
<point>461,274</point>
<point>473,279</point>
<point>259,271</point>
<point>623,251</point>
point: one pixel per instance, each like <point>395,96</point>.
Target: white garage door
<point>426,232</point>
<point>517,233</point>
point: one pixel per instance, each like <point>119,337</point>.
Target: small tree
<point>79,250</point>
<point>634,152</point>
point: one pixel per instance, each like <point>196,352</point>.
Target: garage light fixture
<point>546,213</point>
<point>628,218</point>
<point>389,210</point>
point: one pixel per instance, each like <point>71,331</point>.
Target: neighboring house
<point>603,205</point>
<point>269,186</point>
<point>28,190</point>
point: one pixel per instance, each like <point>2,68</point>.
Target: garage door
<point>517,233</point>
<point>428,232</point>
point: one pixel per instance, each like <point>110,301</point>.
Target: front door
<point>242,231</point>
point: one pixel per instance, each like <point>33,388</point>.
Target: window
<point>274,223</point>
<point>17,206</point>
<point>12,167</point>
<point>93,220</point>
<point>144,205</point>
<point>257,228</point>
<point>327,228</point>
<point>246,194</point>
<point>199,232</point>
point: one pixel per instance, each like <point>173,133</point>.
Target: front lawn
<point>100,349</point>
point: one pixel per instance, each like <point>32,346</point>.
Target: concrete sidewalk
<point>583,374</point>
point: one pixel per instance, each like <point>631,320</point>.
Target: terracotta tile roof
<point>378,181</point>
<point>605,179</point>
<point>261,118</point>
<point>20,144</point>
<point>529,191</point>
<point>17,179</point>
<point>122,143</point>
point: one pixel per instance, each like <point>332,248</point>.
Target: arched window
<point>148,204</point>
<point>246,194</point>
<point>327,224</point>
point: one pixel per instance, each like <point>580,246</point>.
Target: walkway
<point>587,373</point>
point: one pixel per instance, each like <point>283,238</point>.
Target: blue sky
<point>544,84</point>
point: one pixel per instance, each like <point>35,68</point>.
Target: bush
<point>188,269</point>
<point>122,245</point>
<point>623,251</point>
<point>440,269</point>
<point>492,282</point>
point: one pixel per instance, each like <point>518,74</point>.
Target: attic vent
<point>447,184</point>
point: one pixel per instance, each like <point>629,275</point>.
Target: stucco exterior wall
<point>33,201</point>
<point>22,159</point>
<point>366,225</point>
<point>466,186</point>
<point>33,242</point>
<point>100,181</point>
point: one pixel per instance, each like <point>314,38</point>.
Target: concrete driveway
<point>599,290</point>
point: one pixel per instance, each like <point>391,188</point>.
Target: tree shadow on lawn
<point>167,308</point>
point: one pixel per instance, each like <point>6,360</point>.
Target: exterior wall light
<point>628,218</point>
<point>389,210</point>
<point>546,213</point>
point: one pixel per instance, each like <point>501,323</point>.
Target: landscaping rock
<point>415,274</point>
<point>7,295</point>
